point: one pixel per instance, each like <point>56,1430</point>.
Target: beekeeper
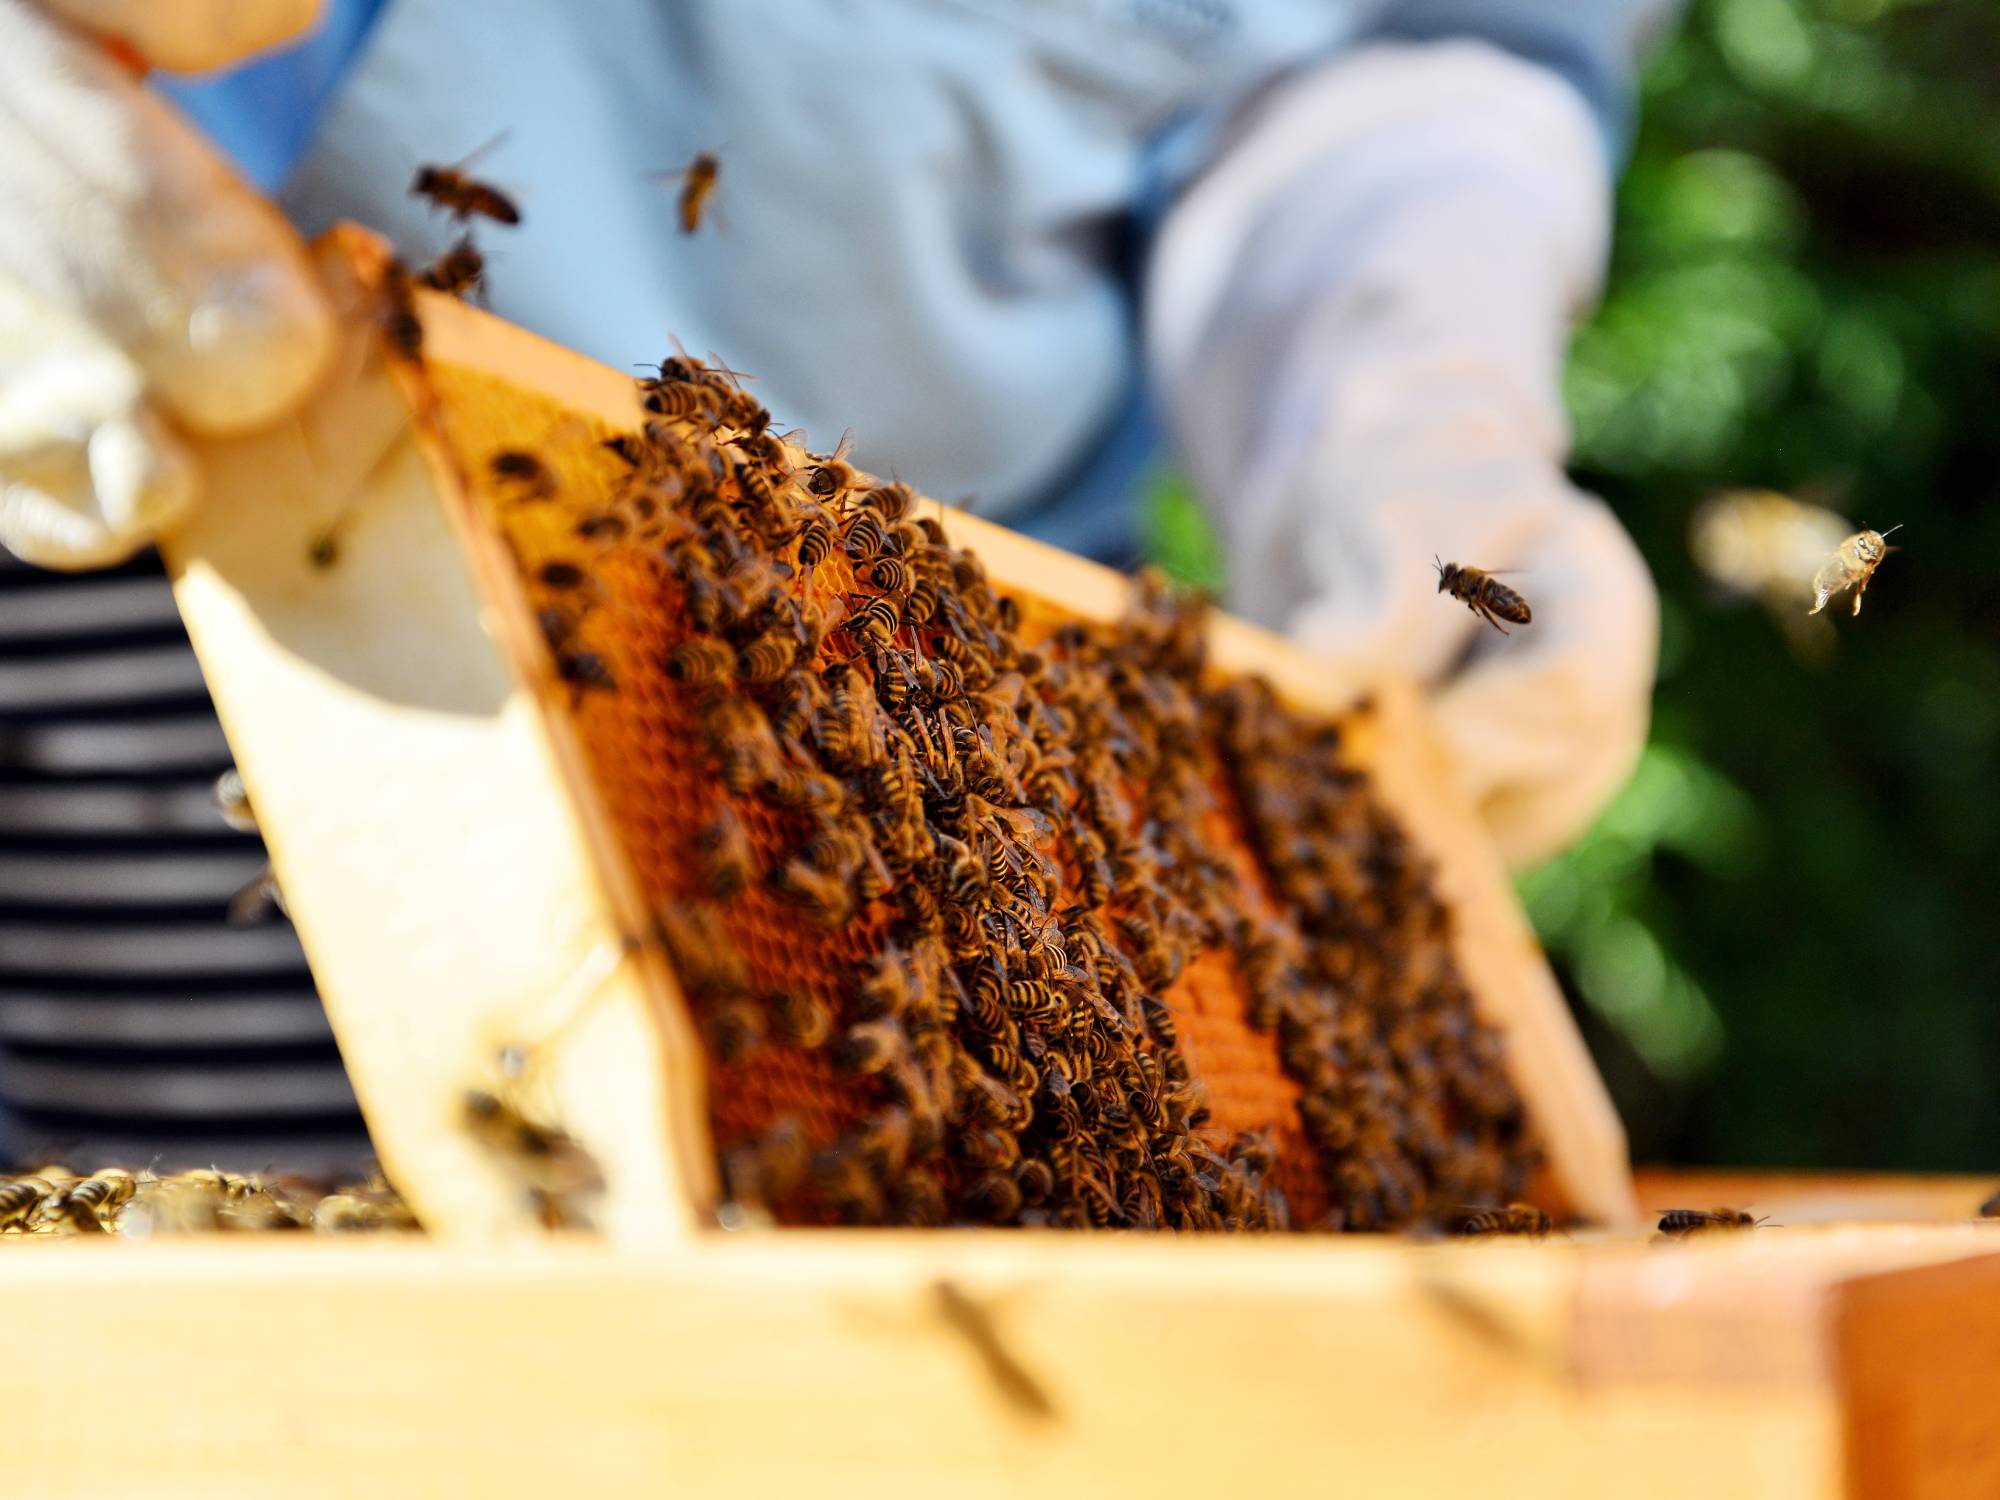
<point>1324,253</point>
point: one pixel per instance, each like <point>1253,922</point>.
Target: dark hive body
<point>987,914</point>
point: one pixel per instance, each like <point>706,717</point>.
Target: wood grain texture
<point>1791,1364</point>
<point>1918,1357</point>
<point>1053,1365</point>
<point>454,874</point>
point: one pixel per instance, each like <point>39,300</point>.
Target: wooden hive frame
<point>451,870</point>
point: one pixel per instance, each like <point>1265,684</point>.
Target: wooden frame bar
<point>1766,1366</point>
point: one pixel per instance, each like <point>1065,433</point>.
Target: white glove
<point>1358,318</point>
<point>142,283</point>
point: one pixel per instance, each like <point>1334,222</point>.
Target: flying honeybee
<point>1853,563</point>
<point>1479,592</point>
<point>1688,1220</point>
<point>463,196</point>
<point>699,179</point>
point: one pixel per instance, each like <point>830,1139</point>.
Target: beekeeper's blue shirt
<point>931,211</point>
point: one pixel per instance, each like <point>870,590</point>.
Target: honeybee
<point>728,862</point>
<point>699,179</point>
<point>1852,565</point>
<point>1689,1220</point>
<point>871,1046</point>
<point>231,800</point>
<point>833,476</point>
<point>400,323</point>
<point>458,271</point>
<point>463,196</point>
<point>828,896</point>
<point>20,1197</point>
<point>699,662</point>
<point>1515,1218</point>
<point>557,1173</point>
<point>528,473</point>
<point>735,1027</point>
<point>890,574</point>
<point>864,537</point>
<point>767,658</point>
<point>815,542</point>
<point>876,620</point>
<point>360,1210</point>
<point>891,501</point>
<point>1481,593</point>
<point>921,607</point>
<point>585,672</point>
<point>323,551</point>
<point>800,1018</point>
<point>681,401</point>
<point>256,899</point>
<point>85,1204</point>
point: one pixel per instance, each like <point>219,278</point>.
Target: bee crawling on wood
<point>585,672</point>
<point>459,270</point>
<point>558,1175</point>
<point>1515,1218</point>
<point>1852,564</point>
<point>1690,1220</point>
<point>1479,592</point>
<point>400,323</point>
<point>463,196</point>
<point>528,474</point>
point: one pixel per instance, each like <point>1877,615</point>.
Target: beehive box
<point>466,884</point>
<point>1847,1361</point>
<point>482,791</point>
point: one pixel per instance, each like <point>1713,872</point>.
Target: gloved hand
<point>142,284</point>
<point>1358,318</point>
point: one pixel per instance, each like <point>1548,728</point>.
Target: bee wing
<point>1835,574</point>
<point>715,363</point>
<point>478,151</point>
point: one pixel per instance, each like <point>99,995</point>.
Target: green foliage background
<point>1780,938</point>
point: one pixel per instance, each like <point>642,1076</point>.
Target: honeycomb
<point>985,913</point>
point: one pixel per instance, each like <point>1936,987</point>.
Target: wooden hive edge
<point>273,636</point>
<point>830,1361</point>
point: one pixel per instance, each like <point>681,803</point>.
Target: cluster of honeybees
<point>1405,1089</point>
<point>53,1201</point>
<point>1008,825</point>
